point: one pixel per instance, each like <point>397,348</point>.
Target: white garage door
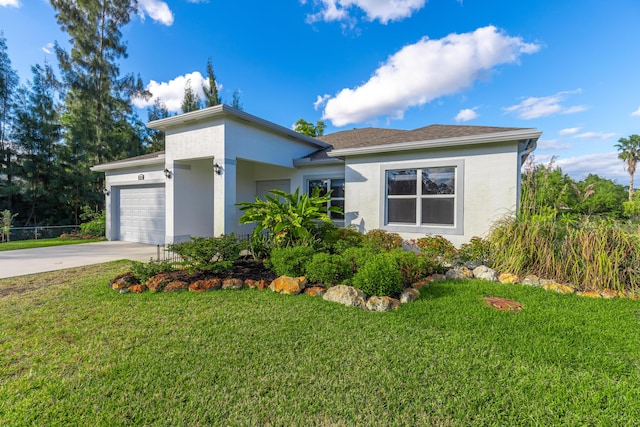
<point>141,214</point>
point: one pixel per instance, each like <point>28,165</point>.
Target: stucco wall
<point>192,191</point>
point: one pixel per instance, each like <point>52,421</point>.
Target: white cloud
<point>595,135</point>
<point>171,92</point>
<point>10,3</point>
<point>48,48</point>
<point>320,101</point>
<point>424,71</point>
<point>466,114</point>
<point>552,144</point>
<point>157,10</point>
<point>605,165</point>
<point>636,113</point>
<point>382,10</point>
<point>533,108</point>
<point>569,131</point>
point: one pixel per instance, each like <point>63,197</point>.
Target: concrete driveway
<point>39,260</point>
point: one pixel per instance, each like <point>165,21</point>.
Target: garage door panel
<point>142,214</point>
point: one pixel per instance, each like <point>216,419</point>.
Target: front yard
<point>75,352</point>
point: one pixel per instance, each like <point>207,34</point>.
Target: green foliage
<point>210,90</point>
<point>477,250</point>
<point>95,223</point>
<point>383,240</point>
<point>412,267</point>
<point>306,128</point>
<point>337,239</point>
<point>629,149</point>
<point>356,257</point>
<point>437,248</point>
<point>632,208</point>
<point>328,269</point>
<point>379,276</point>
<point>290,261</point>
<point>287,219</point>
<point>144,270</point>
<point>7,217</point>
<point>190,101</point>
<point>209,253</point>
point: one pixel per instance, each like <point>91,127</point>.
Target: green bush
<point>437,248</point>
<point>379,276</point>
<point>290,261</point>
<point>337,239</point>
<point>357,257</point>
<point>383,241</point>
<point>412,267</point>
<point>144,270</point>
<point>328,269</point>
<point>95,223</point>
<point>209,253</point>
<point>476,250</point>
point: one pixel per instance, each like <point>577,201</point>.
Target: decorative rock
<point>437,277</point>
<point>409,295</point>
<point>590,294</point>
<point>205,285</point>
<point>565,289</point>
<point>459,273</point>
<point>508,278</point>
<point>531,280</point>
<point>124,290</point>
<point>288,285</point>
<point>315,291</point>
<point>263,284</point>
<point>346,295</point>
<point>251,284</point>
<point>503,304</point>
<point>157,282</point>
<point>176,285</point>
<point>472,265</point>
<point>485,273</point>
<point>122,281</point>
<point>549,285</point>
<point>422,283</point>
<point>137,289</point>
<point>382,304</point>
<point>234,284</point>
<point>608,294</point>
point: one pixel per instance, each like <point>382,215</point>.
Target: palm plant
<point>629,149</point>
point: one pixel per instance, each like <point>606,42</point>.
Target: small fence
<point>43,232</point>
<point>165,255</point>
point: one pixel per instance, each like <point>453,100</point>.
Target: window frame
<point>329,178</point>
<point>457,228</point>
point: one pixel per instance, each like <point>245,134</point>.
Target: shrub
<point>476,250</point>
<point>95,223</point>
<point>379,276</point>
<point>290,261</point>
<point>383,240</point>
<point>337,239</point>
<point>209,253</point>
<point>144,270</point>
<point>357,257</point>
<point>437,248</point>
<point>412,267</point>
<point>328,269</point>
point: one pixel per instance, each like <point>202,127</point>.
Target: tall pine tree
<point>156,137</point>
<point>210,89</point>
<point>8,85</point>
<point>191,100</point>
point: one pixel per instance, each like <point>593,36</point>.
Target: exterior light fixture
<point>167,173</point>
<point>217,169</point>
<point>106,191</point>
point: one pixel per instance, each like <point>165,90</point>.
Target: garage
<point>141,214</point>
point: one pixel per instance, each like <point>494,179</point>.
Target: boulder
<point>609,294</point>
<point>459,273</point>
<point>157,282</point>
<point>485,273</point>
<point>288,285</point>
<point>176,285</point>
<point>590,294</point>
<point>346,295</point>
<point>122,281</point>
<point>422,283</point>
<point>382,304</point>
<point>531,280</point>
<point>315,291</point>
<point>232,284</point>
<point>137,289</point>
<point>205,285</point>
<point>409,295</point>
<point>437,277</point>
<point>263,284</point>
<point>251,284</point>
<point>508,278</point>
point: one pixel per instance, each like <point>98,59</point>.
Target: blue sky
<point>569,68</point>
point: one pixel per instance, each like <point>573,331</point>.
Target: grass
<point>41,243</point>
<point>75,352</point>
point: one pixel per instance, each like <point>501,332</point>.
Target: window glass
<point>323,184</point>
<point>438,180</point>
<point>339,204</point>
<point>402,182</point>
<point>402,210</point>
<point>337,185</point>
<point>438,210</point>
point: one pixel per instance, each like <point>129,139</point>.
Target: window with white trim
<point>337,193</point>
<point>421,196</point>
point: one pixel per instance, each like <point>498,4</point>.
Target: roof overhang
<point>222,111</point>
<point>306,161</point>
<point>133,163</point>
<point>487,138</point>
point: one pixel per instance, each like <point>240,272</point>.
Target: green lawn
<point>41,243</point>
<point>74,352</point>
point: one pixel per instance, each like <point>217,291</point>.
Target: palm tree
<point>629,149</point>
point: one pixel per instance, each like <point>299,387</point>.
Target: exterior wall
<point>489,188</point>
<point>118,178</point>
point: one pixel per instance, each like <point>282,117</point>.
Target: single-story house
<point>449,180</point>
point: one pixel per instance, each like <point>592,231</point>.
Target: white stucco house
<point>455,181</point>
